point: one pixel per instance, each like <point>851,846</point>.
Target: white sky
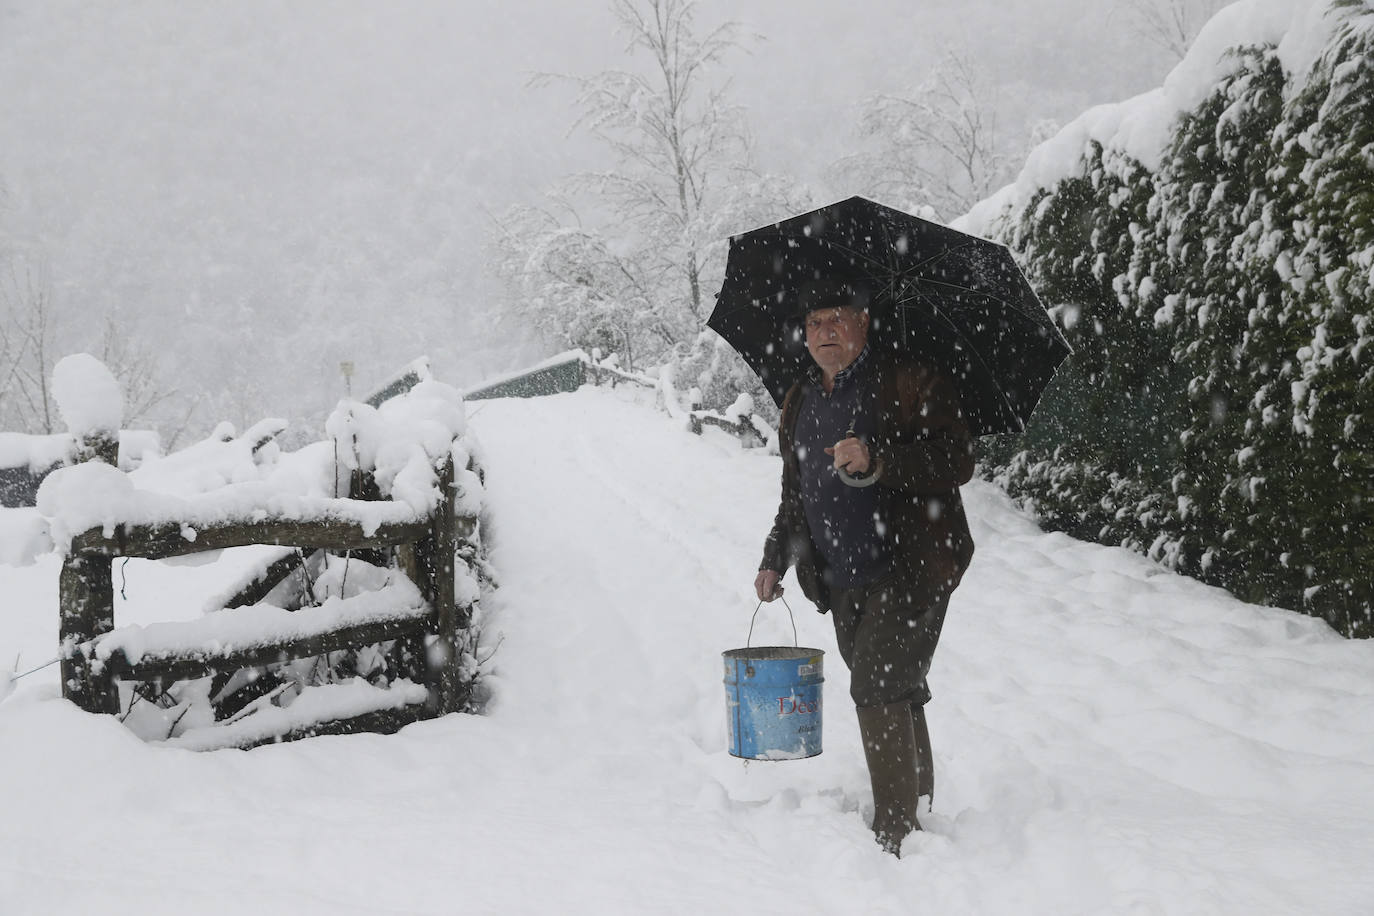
<point>223,171</point>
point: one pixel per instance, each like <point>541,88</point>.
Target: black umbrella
<point>940,296</point>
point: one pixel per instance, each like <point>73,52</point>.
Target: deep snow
<point>1109,737</point>
<point>88,396</point>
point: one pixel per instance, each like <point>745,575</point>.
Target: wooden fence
<point>741,427</point>
<point>438,630</point>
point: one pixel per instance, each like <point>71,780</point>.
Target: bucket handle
<point>749,642</point>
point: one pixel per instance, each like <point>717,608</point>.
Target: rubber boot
<point>890,748</point>
<point>925,759</point>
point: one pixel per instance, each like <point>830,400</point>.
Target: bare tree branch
<point>1170,25</point>
<point>938,146</point>
<point>680,156</point>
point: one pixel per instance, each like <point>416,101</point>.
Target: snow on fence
<point>408,531</point>
<point>738,420</point>
<point>570,370</point>
<point>25,459</point>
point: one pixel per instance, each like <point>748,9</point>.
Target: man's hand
<point>766,584</point>
<point>850,455</point>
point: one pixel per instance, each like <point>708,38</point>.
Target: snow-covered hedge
<point>1208,249</point>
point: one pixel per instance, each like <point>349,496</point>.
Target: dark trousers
<point>887,632</point>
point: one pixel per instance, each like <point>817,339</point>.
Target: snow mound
<point>88,396</point>
<point>403,440</point>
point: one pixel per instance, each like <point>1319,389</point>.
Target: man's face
<point>835,336</point>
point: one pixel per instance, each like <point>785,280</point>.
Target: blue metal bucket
<point>773,701</point>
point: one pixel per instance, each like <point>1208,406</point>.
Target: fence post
<point>362,485</point>
<point>85,589</point>
<point>440,556</point>
<point>86,597</point>
<point>99,446</point>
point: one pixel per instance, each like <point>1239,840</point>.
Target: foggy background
<point>245,194</point>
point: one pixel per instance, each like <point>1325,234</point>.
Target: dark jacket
<point>922,452</point>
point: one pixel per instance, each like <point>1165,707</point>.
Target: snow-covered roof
<point>558,359</point>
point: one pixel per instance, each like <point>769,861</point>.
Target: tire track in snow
<point>665,508</point>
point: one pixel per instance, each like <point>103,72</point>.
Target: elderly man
<point>883,550</point>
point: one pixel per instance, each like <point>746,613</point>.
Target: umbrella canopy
<point>939,296</point>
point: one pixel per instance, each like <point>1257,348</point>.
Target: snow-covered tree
<point>938,146</point>
<point>1170,25</point>
<point>1098,436</point>
<point>627,257</point>
<point>572,288</point>
<point>27,349</point>
<point>1326,147</point>
<point>34,336</point>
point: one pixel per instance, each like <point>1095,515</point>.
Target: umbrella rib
<point>949,251</point>
<point>887,246</point>
<point>975,355</point>
<point>936,257</point>
<point>952,285</point>
<point>847,250</point>
<point>1009,303</point>
<point>1028,314</point>
<point>936,313</point>
<point>936,282</point>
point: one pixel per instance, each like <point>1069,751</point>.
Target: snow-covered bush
<point>721,375</point>
<point>1219,293</point>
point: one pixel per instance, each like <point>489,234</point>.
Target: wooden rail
<point>159,542</point>
<point>181,667</point>
<point>382,722</point>
<point>261,585</point>
<point>741,428</point>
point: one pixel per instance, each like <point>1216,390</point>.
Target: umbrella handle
<point>749,642</point>
<point>849,479</point>
<point>852,481</point>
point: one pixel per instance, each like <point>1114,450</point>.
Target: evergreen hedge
<point>1218,413</point>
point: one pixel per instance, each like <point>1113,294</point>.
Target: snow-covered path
<point>1109,737</point>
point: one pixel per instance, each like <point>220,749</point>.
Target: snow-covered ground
<point>1109,737</point>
